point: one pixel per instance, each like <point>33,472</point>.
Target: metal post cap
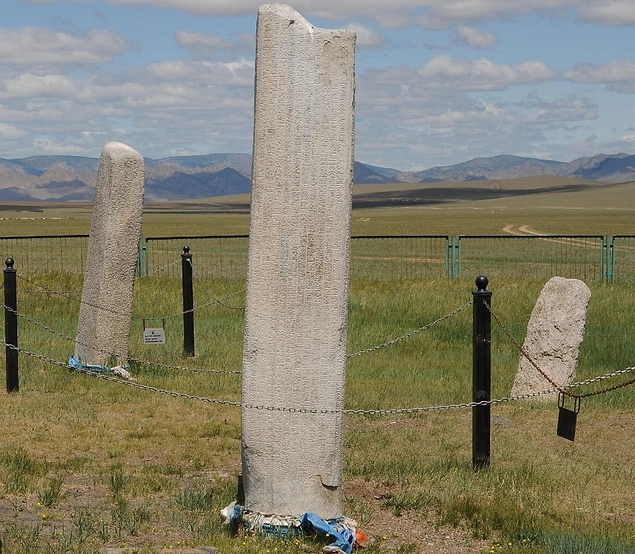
<point>481,282</point>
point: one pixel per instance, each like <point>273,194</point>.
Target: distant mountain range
<point>72,178</point>
<point>613,168</point>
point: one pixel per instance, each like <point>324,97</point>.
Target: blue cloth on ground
<point>338,536</point>
<point>74,362</point>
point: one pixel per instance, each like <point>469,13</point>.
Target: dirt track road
<point>523,230</point>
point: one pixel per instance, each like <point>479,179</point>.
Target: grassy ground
<point>87,463</point>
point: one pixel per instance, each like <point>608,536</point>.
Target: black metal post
<point>188,302</point>
<point>11,325</point>
<point>481,374</point>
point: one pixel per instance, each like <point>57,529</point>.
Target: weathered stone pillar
<point>297,284</point>
<point>106,309</point>
<point>554,334</point>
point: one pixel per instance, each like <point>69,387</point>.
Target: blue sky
<point>438,83</point>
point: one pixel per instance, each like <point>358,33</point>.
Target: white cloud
<point>483,74</point>
<point>572,108</point>
<point>67,91</point>
<point>617,75</point>
<point>397,13</point>
<point>212,47</point>
<point>29,86</point>
<point>156,109</point>
<point>29,45</point>
<point>591,146</point>
<point>239,73</point>
<point>366,37</point>
<point>400,111</point>
<point>474,38</point>
<point>199,7</point>
<point>613,12</point>
<point>433,14</point>
<point>11,133</point>
<point>479,112</point>
<point>57,1</point>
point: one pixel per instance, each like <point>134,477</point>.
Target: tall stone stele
<point>103,330</point>
<point>297,284</point>
<point>554,335</point>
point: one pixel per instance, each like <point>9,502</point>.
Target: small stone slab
<point>554,334</point>
<point>106,310</point>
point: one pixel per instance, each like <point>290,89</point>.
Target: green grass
<point>86,463</point>
<point>89,463</point>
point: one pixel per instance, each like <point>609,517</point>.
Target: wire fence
<point>622,259</point>
<point>51,253</point>
<point>394,258</point>
<point>591,258</point>
<point>534,258</point>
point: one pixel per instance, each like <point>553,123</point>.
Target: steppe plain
<point>88,465</point>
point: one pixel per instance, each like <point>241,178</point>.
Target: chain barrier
<point>68,294</point>
<point>107,353</point>
<point>411,334</point>
<point>321,411</point>
<point>195,308</point>
<point>394,411</point>
<point>215,299</point>
<point>159,270</point>
<point>557,388</point>
<point>562,389</point>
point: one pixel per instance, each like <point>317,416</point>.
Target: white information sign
<point>154,336</point>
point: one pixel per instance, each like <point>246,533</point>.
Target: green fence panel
<point>623,258</point>
<point>52,253</point>
<point>215,257</point>
<point>533,257</point>
<point>391,258</point>
<point>591,258</point>
<point>382,258</point>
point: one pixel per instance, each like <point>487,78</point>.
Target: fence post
<point>11,326</point>
<point>188,302</point>
<point>481,374</point>
<point>140,265</point>
<point>610,258</point>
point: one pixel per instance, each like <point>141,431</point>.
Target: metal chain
<point>558,388</point>
<point>62,293</point>
<point>117,380</point>
<point>66,293</point>
<point>138,318</point>
<point>609,389</point>
<point>159,270</point>
<point>314,410</point>
<point>194,309</point>
<point>182,368</point>
<point>217,300</point>
<point>411,334</point>
<point>108,353</point>
<point>526,355</point>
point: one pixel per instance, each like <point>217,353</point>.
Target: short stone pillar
<point>297,282</point>
<point>554,334</point>
<point>106,309</point>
